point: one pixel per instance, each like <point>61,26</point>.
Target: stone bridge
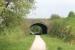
<point>44,23</point>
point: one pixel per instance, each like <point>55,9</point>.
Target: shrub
<point>60,29</point>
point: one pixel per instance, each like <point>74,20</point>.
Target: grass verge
<point>56,44</point>
<point>23,44</point>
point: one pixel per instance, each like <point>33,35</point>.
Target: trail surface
<point>38,44</point>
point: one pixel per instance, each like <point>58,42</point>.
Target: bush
<point>60,29</point>
<point>56,27</point>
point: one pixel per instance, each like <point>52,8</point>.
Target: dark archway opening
<point>42,26</point>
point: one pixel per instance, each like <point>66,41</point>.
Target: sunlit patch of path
<point>38,44</point>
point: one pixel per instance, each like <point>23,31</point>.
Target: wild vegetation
<point>12,31</point>
<point>53,43</point>
<point>63,27</point>
<point>61,34</point>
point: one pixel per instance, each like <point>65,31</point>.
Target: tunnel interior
<point>42,26</point>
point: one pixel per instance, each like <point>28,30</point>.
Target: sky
<point>45,8</point>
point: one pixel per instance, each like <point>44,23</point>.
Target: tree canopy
<point>55,16</point>
<point>71,14</point>
<point>12,11</point>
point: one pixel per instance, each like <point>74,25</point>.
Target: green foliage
<point>12,35</point>
<point>54,16</point>
<point>71,14</point>
<point>60,29</point>
<point>12,12</point>
<point>13,43</point>
<point>1,5</point>
<point>56,44</point>
<point>36,29</point>
<point>22,6</point>
<point>19,8</point>
<point>56,26</point>
<point>59,48</point>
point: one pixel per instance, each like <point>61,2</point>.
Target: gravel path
<point>38,44</point>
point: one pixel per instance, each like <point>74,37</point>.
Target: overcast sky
<point>45,8</point>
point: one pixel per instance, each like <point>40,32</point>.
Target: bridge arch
<point>42,26</point>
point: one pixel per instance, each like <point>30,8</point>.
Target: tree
<point>54,16</point>
<point>14,10</point>
<point>71,14</point>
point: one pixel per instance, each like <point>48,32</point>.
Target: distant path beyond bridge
<point>38,44</point>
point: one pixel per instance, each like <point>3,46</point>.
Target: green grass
<point>23,44</point>
<point>28,42</point>
<point>15,39</point>
<point>54,43</point>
